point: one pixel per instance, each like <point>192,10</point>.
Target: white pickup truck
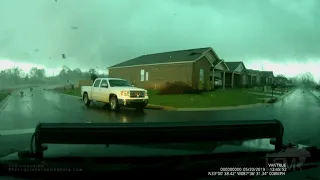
<point>116,92</point>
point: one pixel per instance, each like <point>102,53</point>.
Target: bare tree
<point>307,79</point>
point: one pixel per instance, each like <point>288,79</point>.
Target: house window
<point>142,75</point>
<point>147,76</point>
<point>201,75</point>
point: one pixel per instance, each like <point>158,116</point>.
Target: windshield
<point>182,61</point>
<point>119,83</point>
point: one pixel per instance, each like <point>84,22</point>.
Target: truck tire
<point>86,100</point>
<point>114,106</point>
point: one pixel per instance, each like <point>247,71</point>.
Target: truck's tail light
<point>125,93</point>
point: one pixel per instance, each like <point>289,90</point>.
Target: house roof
<point>267,73</point>
<point>188,55</point>
<point>253,72</point>
<point>233,65</point>
<point>218,61</point>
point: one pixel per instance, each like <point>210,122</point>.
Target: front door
<point>95,90</point>
<point>104,91</point>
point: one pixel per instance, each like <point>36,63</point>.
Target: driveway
<point>299,113</point>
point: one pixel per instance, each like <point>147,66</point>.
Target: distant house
<point>195,67</point>
<point>237,75</point>
<point>87,82</point>
<point>254,77</point>
<point>267,77</point>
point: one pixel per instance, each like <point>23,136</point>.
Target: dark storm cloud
<point>104,32</point>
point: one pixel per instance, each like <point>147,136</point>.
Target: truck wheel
<point>86,99</point>
<point>114,106</point>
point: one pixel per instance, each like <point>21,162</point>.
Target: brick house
<point>195,67</point>
<point>237,75</point>
<point>267,77</point>
<point>254,77</point>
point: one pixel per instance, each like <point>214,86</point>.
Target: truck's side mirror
<point>132,85</point>
<point>104,85</point>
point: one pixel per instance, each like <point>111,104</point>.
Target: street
<point>298,111</point>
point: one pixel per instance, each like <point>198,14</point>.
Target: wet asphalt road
<point>299,112</point>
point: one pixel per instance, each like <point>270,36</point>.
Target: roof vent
<point>192,54</point>
<point>170,57</point>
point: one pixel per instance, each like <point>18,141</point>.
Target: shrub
<point>177,88</point>
<point>271,100</point>
<point>200,85</point>
<point>210,86</point>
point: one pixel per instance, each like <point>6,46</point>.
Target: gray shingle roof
<point>252,72</point>
<point>267,73</point>
<point>217,62</point>
<point>165,57</point>
<point>233,65</point>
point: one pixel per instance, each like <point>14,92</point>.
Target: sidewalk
<point>265,94</point>
<point>222,108</point>
<point>276,97</point>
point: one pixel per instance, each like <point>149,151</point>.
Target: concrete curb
<point>286,94</point>
<point>157,107</point>
<point>277,99</point>
<point>272,100</point>
<point>51,90</point>
<point>222,108</point>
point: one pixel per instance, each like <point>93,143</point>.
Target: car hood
<point>55,150</point>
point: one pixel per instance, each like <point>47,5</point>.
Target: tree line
<point>305,79</point>
<point>16,75</point>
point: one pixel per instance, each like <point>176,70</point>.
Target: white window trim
<point>142,75</point>
<point>201,75</point>
<point>147,76</point>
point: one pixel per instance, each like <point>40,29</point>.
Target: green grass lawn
<point>207,99</point>
<point>276,91</point>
